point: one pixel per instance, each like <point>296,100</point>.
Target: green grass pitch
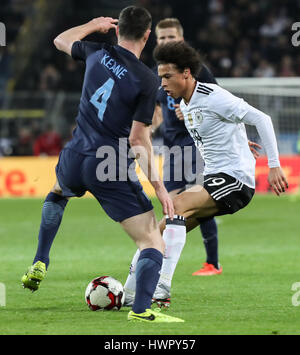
<point>259,249</point>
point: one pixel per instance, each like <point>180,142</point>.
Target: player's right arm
<point>66,39</point>
<point>157,118</point>
<point>142,148</point>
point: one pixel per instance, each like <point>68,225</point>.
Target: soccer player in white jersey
<point>175,134</point>
<point>215,119</point>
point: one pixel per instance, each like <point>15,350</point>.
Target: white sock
<point>130,283</point>
<point>174,236</point>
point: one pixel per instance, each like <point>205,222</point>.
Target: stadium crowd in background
<point>238,38</point>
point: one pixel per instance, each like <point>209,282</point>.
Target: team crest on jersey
<point>198,117</point>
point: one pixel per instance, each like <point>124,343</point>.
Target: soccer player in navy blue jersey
<point>115,114</point>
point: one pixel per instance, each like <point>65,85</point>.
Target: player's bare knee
<point>162,226</point>
<point>57,189</point>
<point>179,205</point>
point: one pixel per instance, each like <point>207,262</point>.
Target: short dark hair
<point>180,54</point>
<point>170,22</point>
<point>134,22</point>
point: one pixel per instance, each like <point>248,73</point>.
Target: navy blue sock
<point>52,213</point>
<point>209,231</point>
<point>147,276</point>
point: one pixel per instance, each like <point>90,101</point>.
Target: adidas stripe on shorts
<point>229,193</point>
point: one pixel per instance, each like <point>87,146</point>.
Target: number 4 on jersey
<point>104,91</point>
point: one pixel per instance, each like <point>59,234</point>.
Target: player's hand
<point>166,201</point>
<point>253,147</point>
<point>178,112</point>
<point>277,180</point>
<point>104,24</point>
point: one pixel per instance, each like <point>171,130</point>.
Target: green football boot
<point>150,316</point>
<point>34,276</point>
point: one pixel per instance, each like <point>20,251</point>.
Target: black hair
<point>134,22</point>
<point>180,54</point>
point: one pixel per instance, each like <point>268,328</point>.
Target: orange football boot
<point>208,270</point>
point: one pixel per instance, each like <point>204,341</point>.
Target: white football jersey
<point>214,119</point>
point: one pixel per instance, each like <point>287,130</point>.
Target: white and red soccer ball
<point>104,293</point>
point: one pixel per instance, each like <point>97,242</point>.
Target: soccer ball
<point>104,293</point>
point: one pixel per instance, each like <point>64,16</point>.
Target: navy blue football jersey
<point>174,131</point>
<point>117,90</point>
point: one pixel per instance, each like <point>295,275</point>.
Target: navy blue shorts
<point>76,174</point>
<point>183,168</point>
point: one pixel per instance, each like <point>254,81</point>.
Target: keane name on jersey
<point>112,65</point>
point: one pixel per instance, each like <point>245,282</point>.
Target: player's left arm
<point>264,126</point>
<point>237,110</point>
<point>66,39</point>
